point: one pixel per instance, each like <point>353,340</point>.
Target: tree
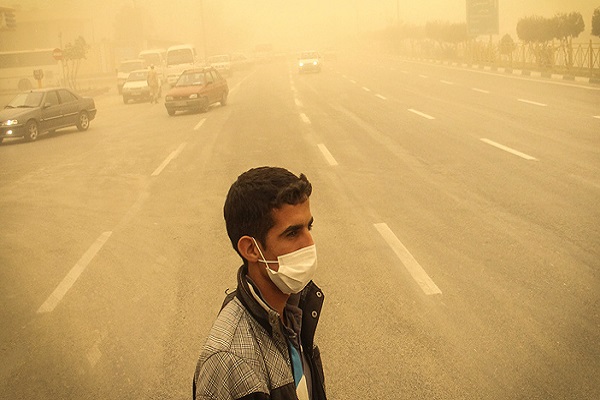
<point>596,22</point>
<point>73,54</point>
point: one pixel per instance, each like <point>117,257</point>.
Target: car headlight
<point>194,96</point>
<point>301,64</point>
<point>10,122</point>
<point>169,98</point>
<point>315,62</point>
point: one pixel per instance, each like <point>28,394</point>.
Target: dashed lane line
<point>171,157</point>
<point>414,269</point>
<point>535,103</point>
<point>508,149</point>
<point>419,113</point>
<point>328,157</point>
<point>63,287</point>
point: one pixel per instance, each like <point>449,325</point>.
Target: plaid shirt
<point>246,354</point>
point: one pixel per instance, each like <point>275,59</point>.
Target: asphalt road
<point>456,219</point>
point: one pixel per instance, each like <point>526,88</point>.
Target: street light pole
<point>203,30</point>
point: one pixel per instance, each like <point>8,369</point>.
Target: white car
<point>309,61</point>
<point>221,63</point>
<point>136,87</point>
<point>125,68</point>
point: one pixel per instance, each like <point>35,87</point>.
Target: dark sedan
<point>45,110</point>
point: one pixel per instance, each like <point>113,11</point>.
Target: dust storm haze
<point>236,25</point>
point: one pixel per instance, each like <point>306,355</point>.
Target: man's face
<point>291,231</point>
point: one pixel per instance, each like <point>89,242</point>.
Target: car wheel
<point>1,139</point>
<point>83,121</point>
<point>31,131</point>
<point>170,112</point>
<point>224,99</point>
<point>125,100</point>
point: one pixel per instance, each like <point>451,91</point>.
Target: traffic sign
<point>57,54</point>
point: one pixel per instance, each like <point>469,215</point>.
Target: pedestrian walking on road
<point>153,84</point>
<point>261,345</point>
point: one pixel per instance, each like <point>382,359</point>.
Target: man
<point>153,84</point>
<point>261,345</point>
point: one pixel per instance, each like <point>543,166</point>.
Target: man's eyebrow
<point>293,228</point>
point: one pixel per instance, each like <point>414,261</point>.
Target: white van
<point>180,58</point>
<point>156,57</point>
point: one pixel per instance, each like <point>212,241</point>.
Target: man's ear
<point>248,249</point>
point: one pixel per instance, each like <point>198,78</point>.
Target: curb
<point>514,71</point>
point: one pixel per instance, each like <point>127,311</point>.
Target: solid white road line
<point>168,159</point>
<point>420,113</point>
<point>508,149</point>
<point>480,90</point>
<point>535,103</point>
<point>199,124</point>
<point>381,97</point>
<point>327,154</point>
<point>413,267</point>
<point>68,281</point>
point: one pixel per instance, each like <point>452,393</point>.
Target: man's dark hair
<point>254,195</point>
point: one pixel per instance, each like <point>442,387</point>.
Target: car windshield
<point>26,100</point>
<point>191,79</point>
<point>130,66</point>
<point>137,76</point>
<point>309,55</point>
<point>183,56</point>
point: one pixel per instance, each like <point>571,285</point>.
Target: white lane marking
<point>597,116</point>
<point>298,102</point>
<point>304,118</point>
<point>344,76</point>
<point>404,71</point>
<point>508,149</point>
<point>172,156</point>
<point>68,281</point>
<point>420,113</point>
<point>413,267</point>
<point>327,154</point>
<point>447,82</point>
<point>422,76</point>
<point>535,103</point>
<point>352,80</point>
<point>366,89</point>
<point>199,124</point>
<point>480,90</point>
<point>381,97</point>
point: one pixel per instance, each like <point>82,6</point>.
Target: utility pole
<point>203,30</point>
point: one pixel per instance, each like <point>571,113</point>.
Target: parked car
<point>125,68</point>
<point>136,87</point>
<point>195,90</point>
<point>221,63</point>
<point>309,61</point>
<point>37,111</point>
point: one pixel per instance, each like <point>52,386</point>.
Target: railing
<point>582,59</point>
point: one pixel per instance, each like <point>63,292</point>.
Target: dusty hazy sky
<point>264,19</point>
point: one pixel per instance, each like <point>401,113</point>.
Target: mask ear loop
<point>264,260</point>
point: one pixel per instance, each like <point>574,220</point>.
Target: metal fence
<point>582,59</point>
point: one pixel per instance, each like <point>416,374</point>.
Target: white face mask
<point>296,269</point>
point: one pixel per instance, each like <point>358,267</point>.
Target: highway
<point>457,223</point>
